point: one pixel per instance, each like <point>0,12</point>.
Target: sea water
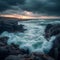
<point>33,37</point>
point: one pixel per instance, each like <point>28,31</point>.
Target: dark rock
<point>3,40</point>
<point>52,30</point>
<point>22,57</point>
<point>40,56</point>
<point>3,51</point>
<point>13,49</point>
<point>13,57</point>
<point>24,51</point>
<point>11,26</point>
<point>55,51</point>
<point>19,28</point>
<point>6,50</point>
<point>48,27</point>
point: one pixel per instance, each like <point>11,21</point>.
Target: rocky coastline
<point>12,52</point>
<point>53,30</point>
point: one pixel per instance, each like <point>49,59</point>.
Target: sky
<point>30,8</point>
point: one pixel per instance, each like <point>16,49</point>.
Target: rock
<point>6,50</point>
<point>13,57</point>
<point>4,40</point>
<point>28,57</point>
<point>41,56</point>
<point>52,30</point>
<point>24,51</point>
<point>3,51</point>
<point>48,27</point>
<point>16,57</point>
<point>13,49</point>
<point>11,26</point>
<point>19,28</point>
<point>55,51</point>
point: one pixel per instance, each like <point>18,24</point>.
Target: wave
<point>33,37</point>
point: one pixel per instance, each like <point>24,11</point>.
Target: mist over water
<point>33,37</point>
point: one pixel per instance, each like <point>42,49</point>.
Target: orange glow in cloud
<point>28,13</point>
<point>28,16</point>
<point>49,17</point>
<point>17,16</point>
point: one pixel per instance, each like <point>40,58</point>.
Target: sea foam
<point>32,38</point>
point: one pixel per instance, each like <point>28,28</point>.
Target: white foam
<point>32,38</point>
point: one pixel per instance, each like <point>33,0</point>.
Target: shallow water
<point>33,37</point>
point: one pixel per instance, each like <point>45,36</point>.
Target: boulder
<point>55,51</point>
<point>3,51</point>
<point>52,30</point>
<point>4,39</point>
<point>11,26</point>
<point>13,49</point>
<point>41,56</point>
<point>12,57</point>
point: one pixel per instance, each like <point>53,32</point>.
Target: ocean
<point>33,38</point>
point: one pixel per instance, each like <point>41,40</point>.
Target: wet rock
<point>13,49</point>
<point>48,27</point>
<point>19,28</point>
<point>43,56</point>
<point>13,57</point>
<point>11,26</point>
<point>3,51</point>
<point>55,51</point>
<point>6,50</point>
<point>16,57</point>
<point>24,51</point>
<point>29,57</point>
<point>52,30</point>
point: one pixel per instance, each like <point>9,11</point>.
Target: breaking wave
<point>33,37</point>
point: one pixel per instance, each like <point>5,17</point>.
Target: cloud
<point>6,4</point>
<point>48,7</point>
<point>44,7</point>
<point>3,5</point>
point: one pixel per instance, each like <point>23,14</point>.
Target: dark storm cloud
<point>53,8</point>
<point>47,7</point>
<point>3,5</point>
<point>6,4</point>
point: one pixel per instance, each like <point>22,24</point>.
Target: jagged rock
<point>13,49</point>
<point>55,51</point>
<point>52,30</point>
<point>42,56</point>
<point>3,51</point>
<point>24,51</point>
<point>48,27</point>
<point>13,57</point>
<point>3,40</point>
<point>31,57</point>
<point>11,26</point>
<point>8,52</point>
